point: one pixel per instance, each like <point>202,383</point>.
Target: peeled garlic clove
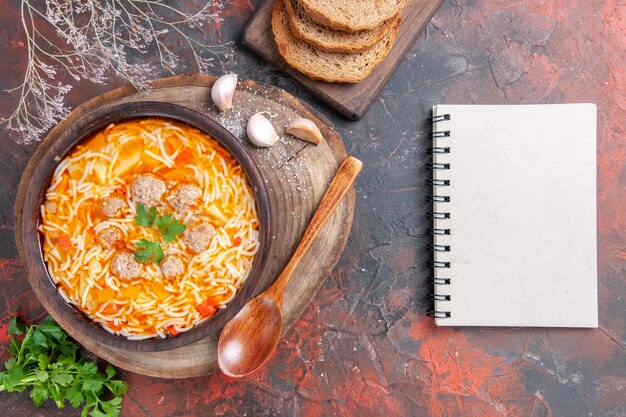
<point>223,91</point>
<point>306,130</point>
<point>260,131</point>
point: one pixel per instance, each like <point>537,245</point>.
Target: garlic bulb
<point>306,130</point>
<point>223,91</point>
<point>260,131</point>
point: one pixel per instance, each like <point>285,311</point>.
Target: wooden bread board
<point>351,100</point>
<point>297,174</point>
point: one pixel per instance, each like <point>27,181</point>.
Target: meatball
<point>172,267</point>
<point>148,189</point>
<point>184,196</point>
<point>198,237</point>
<point>110,236</point>
<point>113,206</point>
<point>125,266</point>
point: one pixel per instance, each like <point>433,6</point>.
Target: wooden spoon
<point>248,340</point>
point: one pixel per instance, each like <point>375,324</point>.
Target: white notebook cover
<point>522,215</point>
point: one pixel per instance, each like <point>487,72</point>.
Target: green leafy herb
<point>150,251</point>
<point>47,361</point>
<point>170,229</point>
<point>145,217</point>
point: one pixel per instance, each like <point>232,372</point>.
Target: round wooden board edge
<point>332,137</point>
<point>192,372</point>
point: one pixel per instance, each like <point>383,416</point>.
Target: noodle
<point>107,165</point>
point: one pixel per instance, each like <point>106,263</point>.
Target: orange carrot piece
<point>111,309</point>
<point>132,292</point>
<point>105,295</point>
<point>91,235</point>
<point>173,331</point>
<point>184,157</point>
<point>113,326</point>
<point>76,174</point>
<point>63,186</point>
<point>171,144</point>
<point>207,308</point>
<point>96,213</point>
<point>64,242</point>
<point>160,292</point>
<point>96,143</point>
<point>176,175</point>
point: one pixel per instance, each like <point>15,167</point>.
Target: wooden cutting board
<point>297,175</point>
<point>351,100</point>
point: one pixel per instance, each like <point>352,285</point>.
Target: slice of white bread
<point>329,40</point>
<point>327,66</point>
<point>353,15</point>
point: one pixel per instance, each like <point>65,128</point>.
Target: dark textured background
<point>363,346</point>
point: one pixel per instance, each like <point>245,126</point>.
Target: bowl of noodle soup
<point>151,227</point>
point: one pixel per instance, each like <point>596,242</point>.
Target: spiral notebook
<point>514,215</point>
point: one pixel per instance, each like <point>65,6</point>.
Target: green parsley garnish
<point>169,229</point>
<point>47,361</point>
<point>151,251</point>
<point>145,217</point>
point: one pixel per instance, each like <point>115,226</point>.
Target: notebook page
<point>522,215</point>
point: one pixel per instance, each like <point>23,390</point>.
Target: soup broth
<point>149,228</point>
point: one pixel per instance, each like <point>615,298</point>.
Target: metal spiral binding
<point>432,120</point>
<point>440,297</point>
<point>440,134</point>
<point>437,166</point>
<point>437,197</point>
<point>440,248</point>
<point>439,149</point>
<point>439,216</point>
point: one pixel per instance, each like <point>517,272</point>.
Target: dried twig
<point>98,36</point>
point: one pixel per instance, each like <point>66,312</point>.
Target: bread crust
<point>375,13</point>
<point>329,40</point>
<point>311,61</point>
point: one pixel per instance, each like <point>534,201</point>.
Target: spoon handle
<point>344,178</point>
